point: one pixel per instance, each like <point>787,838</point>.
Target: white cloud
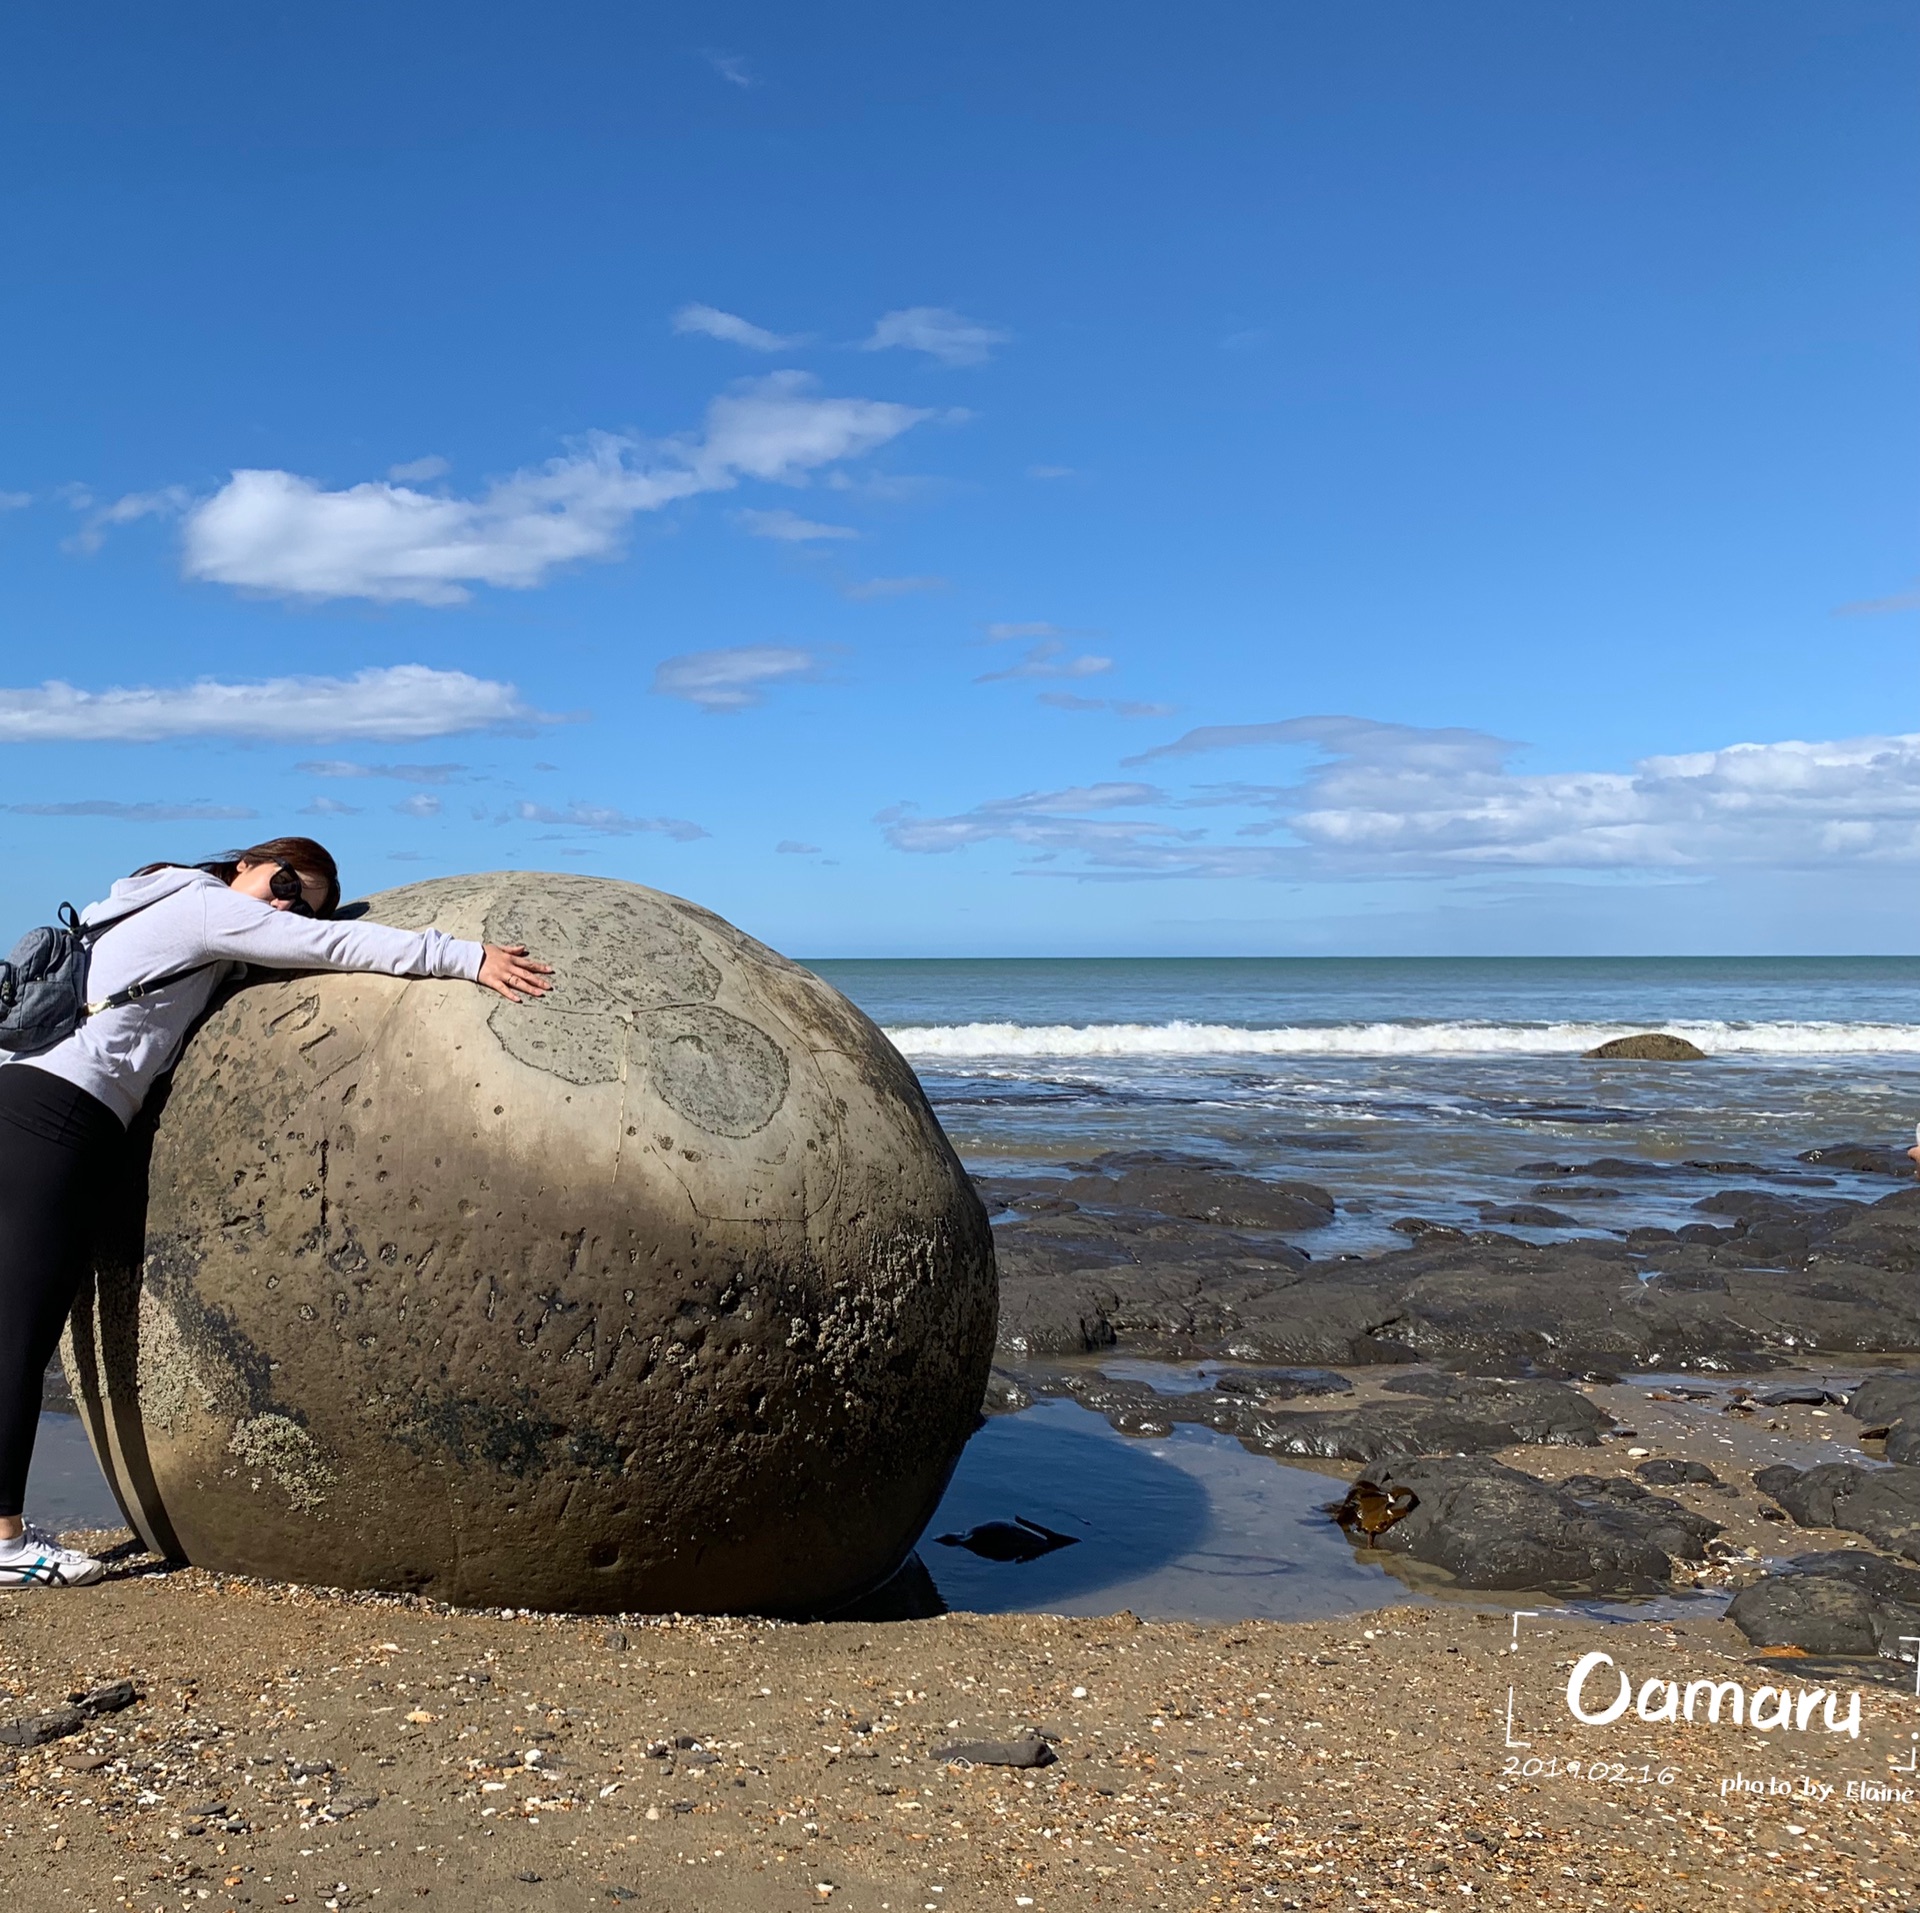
<point>386,705</point>
<point>403,773</point>
<point>329,807</point>
<point>731,328</point>
<point>1390,800</point>
<point>733,678</point>
<point>729,66</point>
<point>423,803</point>
<point>418,469</point>
<point>1048,659</point>
<point>1120,707</point>
<point>1051,471</point>
<point>863,589</point>
<point>15,501</point>
<point>790,847</point>
<point>164,503</point>
<point>790,528</point>
<point>937,331</point>
<point>274,531</point>
<point>1001,633</point>
<point>614,823</point>
<point>136,813</point>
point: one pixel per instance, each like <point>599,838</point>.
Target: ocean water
<point>1411,1086</point>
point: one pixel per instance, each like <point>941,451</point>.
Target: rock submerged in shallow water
<point>664,1293</point>
<point>1654,1047</point>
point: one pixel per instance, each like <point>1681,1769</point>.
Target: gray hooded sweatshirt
<point>177,920</point>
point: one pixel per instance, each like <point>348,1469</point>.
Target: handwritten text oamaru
<point>1765,1709</point>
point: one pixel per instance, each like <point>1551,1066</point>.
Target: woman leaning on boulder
<point>183,928</point>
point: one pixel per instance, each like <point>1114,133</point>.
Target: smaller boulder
<point>1881,1503</point>
<point>1653,1047</point>
<point>1847,1603</point>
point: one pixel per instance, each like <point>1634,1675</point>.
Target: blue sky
<point>1241,478</point>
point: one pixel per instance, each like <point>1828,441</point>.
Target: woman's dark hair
<point>306,856</point>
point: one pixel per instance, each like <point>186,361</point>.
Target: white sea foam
<point>984,1040</point>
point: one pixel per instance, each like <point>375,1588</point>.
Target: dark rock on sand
<point>1655,1047</point>
<point>664,1292</point>
<point>1881,1503</point>
<point>1844,1603</point>
<point>1029,1751</point>
<point>1491,1526</point>
<point>1669,1471</point>
<point>1891,1402</point>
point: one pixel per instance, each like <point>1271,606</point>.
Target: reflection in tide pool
<point>1191,1527</point>
<point>65,1488</point>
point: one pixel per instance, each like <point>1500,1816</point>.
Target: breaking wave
<point>959,1040</point>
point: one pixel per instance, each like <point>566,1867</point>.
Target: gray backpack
<point>43,984</point>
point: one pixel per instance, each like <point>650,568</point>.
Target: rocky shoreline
<point>1455,1381</point>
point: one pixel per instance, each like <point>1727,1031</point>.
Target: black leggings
<point>57,1150</point>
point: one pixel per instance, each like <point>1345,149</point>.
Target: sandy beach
<point>291,1747</point>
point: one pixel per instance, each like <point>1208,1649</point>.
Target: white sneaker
<point>35,1559</point>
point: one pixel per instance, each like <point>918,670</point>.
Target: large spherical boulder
<point>666,1292</point>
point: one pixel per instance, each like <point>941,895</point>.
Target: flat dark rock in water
<point>1027,1752</point>
<point>1799,1395</point>
<point>1015,1540</point>
<point>1526,1215</point>
<point>1192,1190</point>
<point>1654,1047</point>
<point>1491,1526</point>
<point>1461,1415</point>
<point>1843,1603</point>
<point>1280,1384</point>
<point>1772,1275</point>
<point>1863,1158</point>
<point>1881,1503</point>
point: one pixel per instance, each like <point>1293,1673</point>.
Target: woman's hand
<point>507,970</point>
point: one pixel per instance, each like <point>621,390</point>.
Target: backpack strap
<point>88,935</point>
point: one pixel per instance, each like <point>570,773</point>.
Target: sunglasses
<point>287,888</point>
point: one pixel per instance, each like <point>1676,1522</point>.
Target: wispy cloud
<point>15,501</point>
<point>862,589</point>
<point>789,847</point>
<point>136,813</point>
<point>733,678</point>
<point>1051,471</point>
<point>402,773</point>
<point>1048,822</point>
<point>1004,633</point>
<point>387,705</point>
<point>730,327</point>
<point>1120,707</point>
<point>939,332</point>
<point>329,807</point>
<point>419,470</point>
<point>273,531</point>
<point>423,803</point>
<point>1874,607</point>
<point>1049,659</point>
<point>730,67</point>
<point>167,502</point>
<point>789,527</point>
<point>611,822</point>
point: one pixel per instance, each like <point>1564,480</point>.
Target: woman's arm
<point>243,930</point>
